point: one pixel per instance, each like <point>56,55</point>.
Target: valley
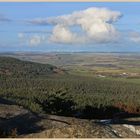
<point>84,87</point>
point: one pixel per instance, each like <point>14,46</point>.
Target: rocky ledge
<point>30,125</point>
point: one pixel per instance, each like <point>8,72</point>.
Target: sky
<point>70,27</point>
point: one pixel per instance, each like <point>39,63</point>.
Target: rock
<point>29,125</point>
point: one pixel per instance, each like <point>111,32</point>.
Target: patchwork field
<point>121,65</point>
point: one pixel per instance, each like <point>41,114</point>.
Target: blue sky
<point>21,31</point>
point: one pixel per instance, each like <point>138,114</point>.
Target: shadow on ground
<point>64,107</point>
<point>7,102</point>
<point>23,123</point>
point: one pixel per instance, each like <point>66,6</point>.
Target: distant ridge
<point>62,52</point>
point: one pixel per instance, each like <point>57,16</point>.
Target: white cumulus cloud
<point>96,25</point>
<point>62,34</point>
<point>31,40</point>
<point>36,40</point>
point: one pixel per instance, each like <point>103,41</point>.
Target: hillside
<point>17,68</point>
<point>42,91</point>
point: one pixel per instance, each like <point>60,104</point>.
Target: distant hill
<point>17,68</point>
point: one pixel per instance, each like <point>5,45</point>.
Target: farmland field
<point>92,64</point>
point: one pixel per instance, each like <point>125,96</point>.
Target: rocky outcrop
<point>29,125</point>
